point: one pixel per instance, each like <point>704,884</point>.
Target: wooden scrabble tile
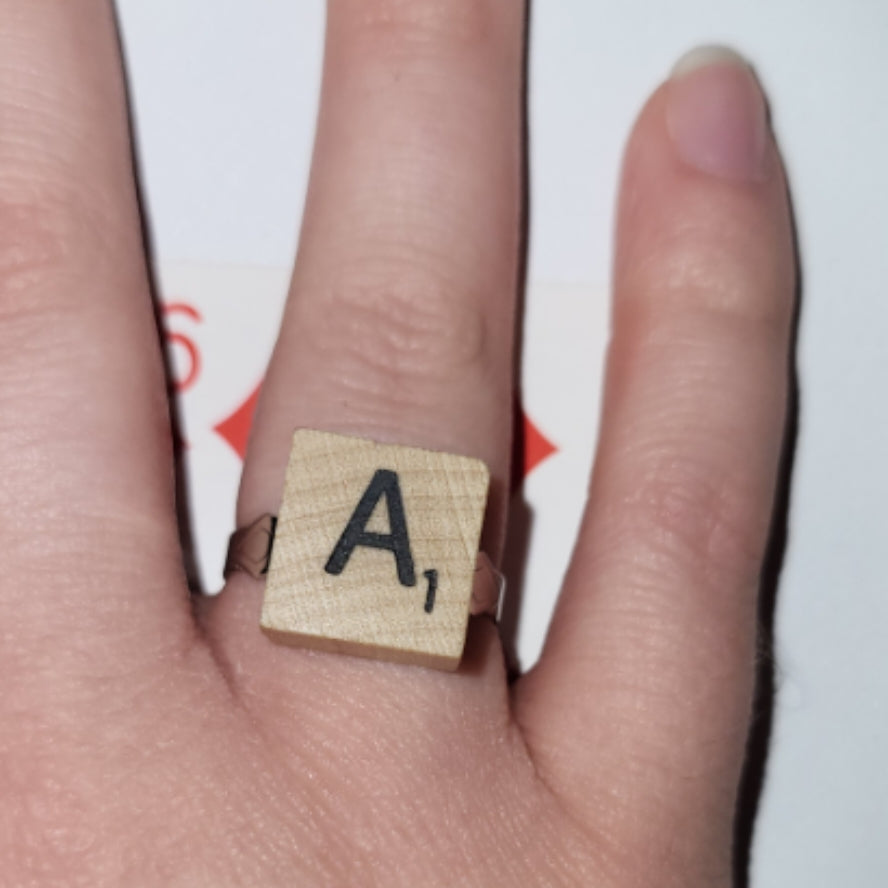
<point>374,551</point>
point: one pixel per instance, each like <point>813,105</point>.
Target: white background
<point>225,95</point>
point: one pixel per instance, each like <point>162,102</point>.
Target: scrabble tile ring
<point>374,551</point>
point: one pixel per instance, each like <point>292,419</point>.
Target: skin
<point>145,743</point>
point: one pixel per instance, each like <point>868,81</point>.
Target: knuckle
<point>51,233</point>
<point>694,270</point>
<point>407,332</point>
<point>36,237</point>
<point>700,522</point>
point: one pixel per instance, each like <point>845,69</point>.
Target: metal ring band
<point>249,550</point>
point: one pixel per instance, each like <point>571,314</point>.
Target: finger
<point>90,549</point>
<point>399,324</point>
<point>641,699</point>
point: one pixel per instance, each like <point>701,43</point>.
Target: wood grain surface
<point>375,550</point>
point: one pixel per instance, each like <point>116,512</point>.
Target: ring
<point>374,551</point>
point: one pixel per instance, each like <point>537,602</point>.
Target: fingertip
<point>702,178</point>
<point>706,55</point>
<point>709,120</point>
<point>717,118</point>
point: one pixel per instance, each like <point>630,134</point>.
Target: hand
<point>144,745</point>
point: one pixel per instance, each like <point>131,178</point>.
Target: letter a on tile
<point>383,484</point>
<point>375,550</point>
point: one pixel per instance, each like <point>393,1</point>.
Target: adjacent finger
<point>639,705</point>
<point>399,324</point>
<point>91,573</point>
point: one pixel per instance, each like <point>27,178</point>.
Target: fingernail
<point>717,116</point>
